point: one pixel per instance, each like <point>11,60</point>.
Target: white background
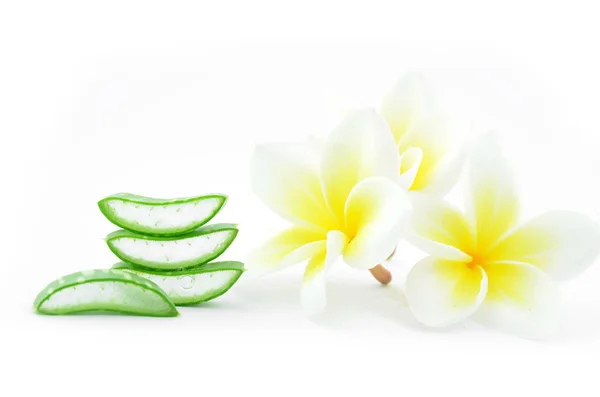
<point>169,99</point>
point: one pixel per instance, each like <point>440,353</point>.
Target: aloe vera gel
<point>200,246</point>
<point>160,217</point>
<point>104,290</point>
<point>193,285</point>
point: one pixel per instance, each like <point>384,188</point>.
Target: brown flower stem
<point>381,274</point>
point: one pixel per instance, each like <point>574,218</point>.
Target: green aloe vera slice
<point>193,285</point>
<point>157,217</point>
<point>104,290</point>
<point>166,253</point>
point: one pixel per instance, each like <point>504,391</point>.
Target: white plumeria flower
<point>484,265</point>
<point>342,198</point>
<point>428,163</point>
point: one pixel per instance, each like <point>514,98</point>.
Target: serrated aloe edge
<point>108,290</point>
<point>160,217</point>
<point>167,253</point>
<point>193,285</point>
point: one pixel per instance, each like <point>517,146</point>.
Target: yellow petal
<point>410,161</point>
<point>336,242</point>
<point>360,147</point>
<point>406,104</point>
<point>377,213</point>
<point>285,177</point>
<point>493,205</point>
<point>439,229</point>
<point>313,294</point>
<point>521,299</point>
<point>561,243</point>
<point>292,246</point>
<point>433,137</point>
<point>442,292</point>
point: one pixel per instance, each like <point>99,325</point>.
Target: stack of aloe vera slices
<point>165,251</point>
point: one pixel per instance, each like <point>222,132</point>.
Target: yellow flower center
<point>476,260</point>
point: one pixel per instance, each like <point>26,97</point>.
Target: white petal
<point>362,146</point>
<point>302,253</point>
<point>285,177</point>
<point>439,229</point>
<point>313,293</point>
<point>438,250</point>
<point>561,243</point>
<point>441,292</point>
<point>434,137</point>
<point>377,214</point>
<point>446,173</point>
<point>493,206</point>
<point>336,242</point>
<point>405,104</point>
<point>410,161</point>
<point>521,300</point>
<point>292,246</point>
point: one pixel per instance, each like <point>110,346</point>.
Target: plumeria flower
<point>429,162</point>
<point>342,198</point>
<point>486,266</point>
<point>430,158</point>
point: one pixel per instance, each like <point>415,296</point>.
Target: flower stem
<point>381,274</point>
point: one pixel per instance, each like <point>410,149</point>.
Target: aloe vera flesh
<point>194,285</point>
<point>167,253</point>
<point>108,290</point>
<point>160,217</point>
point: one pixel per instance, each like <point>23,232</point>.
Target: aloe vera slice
<point>193,285</point>
<point>104,290</point>
<point>158,217</point>
<point>165,253</point>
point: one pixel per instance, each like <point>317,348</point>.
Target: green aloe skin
<point>160,217</point>
<point>168,253</point>
<point>108,290</point>
<point>192,285</point>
